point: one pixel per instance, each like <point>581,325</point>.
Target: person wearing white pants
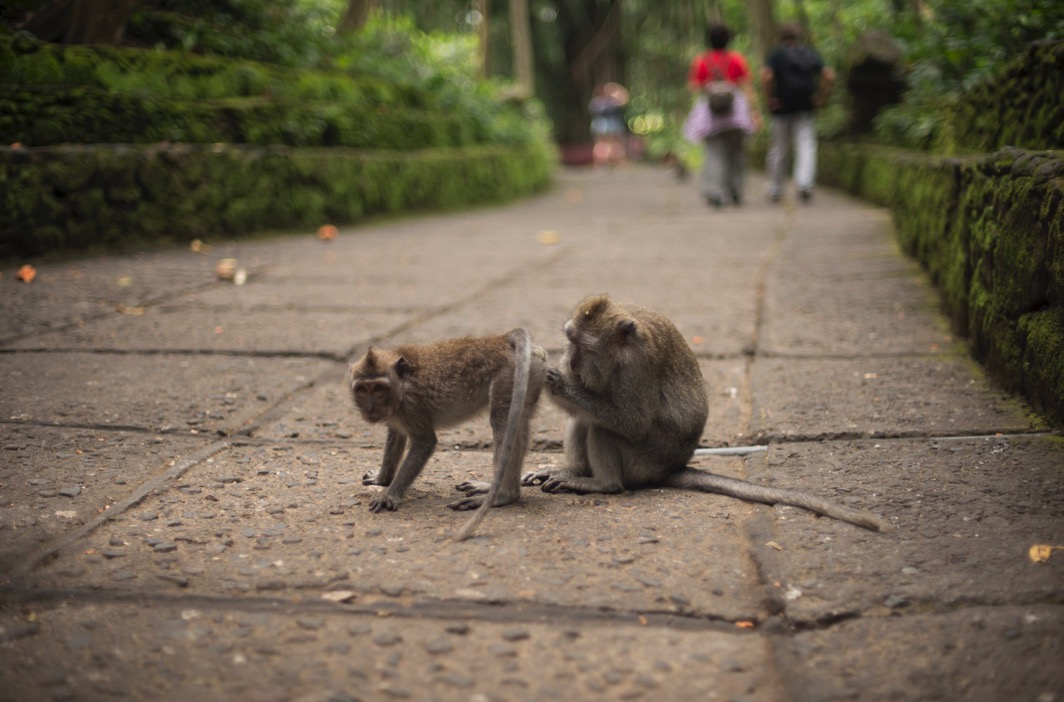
<point>799,128</point>
<point>796,82</point>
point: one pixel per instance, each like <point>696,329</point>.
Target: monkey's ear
<point>626,330</point>
<point>403,368</point>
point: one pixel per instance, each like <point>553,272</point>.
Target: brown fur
<point>637,405</point>
<point>417,389</point>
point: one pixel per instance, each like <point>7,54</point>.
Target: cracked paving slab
<point>204,649</point>
<point>965,512</point>
<point>262,519</point>
<point>795,398</point>
<point>977,653</point>
<point>45,493</point>
<point>158,392</point>
<point>186,327</point>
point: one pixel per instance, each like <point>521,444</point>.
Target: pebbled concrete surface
<point>182,514</point>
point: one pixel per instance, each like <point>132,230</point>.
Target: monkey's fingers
<point>536,478</point>
<point>370,479</point>
<point>473,487</point>
<point>558,485</point>
<point>383,504</point>
<point>465,504</point>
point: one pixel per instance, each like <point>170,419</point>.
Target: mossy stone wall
<point>69,198</point>
<point>990,232</point>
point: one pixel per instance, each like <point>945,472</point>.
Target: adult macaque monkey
<point>637,406</point>
<point>417,389</point>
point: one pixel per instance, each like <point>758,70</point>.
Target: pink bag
<point>696,126</point>
<point>702,123</point>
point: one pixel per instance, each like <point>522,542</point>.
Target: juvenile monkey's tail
<point>521,341</point>
<point>693,479</point>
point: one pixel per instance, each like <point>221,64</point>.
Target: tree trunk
<point>803,22</point>
<point>763,24</point>
<point>522,41</point>
<point>82,21</point>
<point>483,35</point>
<point>355,16</point>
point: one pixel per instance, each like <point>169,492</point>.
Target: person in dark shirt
<point>796,83</point>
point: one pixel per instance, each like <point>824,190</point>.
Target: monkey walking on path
<point>417,389</point>
<point>637,406</point>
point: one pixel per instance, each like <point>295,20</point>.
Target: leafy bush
<point>953,48</point>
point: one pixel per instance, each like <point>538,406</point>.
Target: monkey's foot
<point>473,487</point>
<point>579,486</point>
<point>383,504</point>
<point>373,479</point>
<point>537,478</point>
<point>541,477</point>
<point>470,503</point>
<point>466,504</point>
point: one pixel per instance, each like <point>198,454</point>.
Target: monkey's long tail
<point>693,479</point>
<point>522,343</point>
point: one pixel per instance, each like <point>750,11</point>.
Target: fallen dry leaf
<point>339,596</point>
<point>548,237</point>
<point>773,544</point>
<point>131,311</point>
<point>1040,553</point>
<point>197,246</point>
<point>225,268</point>
<point>26,274</point>
<point>327,232</point>
<point>745,624</point>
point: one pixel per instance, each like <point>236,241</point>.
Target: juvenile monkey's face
<point>374,399</point>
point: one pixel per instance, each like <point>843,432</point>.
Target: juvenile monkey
<point>637,406</point>
<point>417,389</point>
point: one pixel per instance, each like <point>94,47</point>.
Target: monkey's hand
<point>383,504</point>
<point>537,478</point>
<point>373,479</point>
<point>473,487</point>
<point>466,504</point>
<point>556,381</point>
<point>579,485</point>
<point>561,390</point>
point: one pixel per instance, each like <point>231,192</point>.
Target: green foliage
<point>954,47</point>
<point>65,198</point>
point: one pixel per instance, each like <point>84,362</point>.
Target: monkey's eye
<point>361,390</point>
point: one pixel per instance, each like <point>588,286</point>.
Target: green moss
<point>1042,335</point>
<point>990,233</point>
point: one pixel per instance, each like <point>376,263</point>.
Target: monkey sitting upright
<point>417,389</point>
<point>637,406</point>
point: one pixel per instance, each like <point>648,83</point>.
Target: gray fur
<point>415,390</point>
<point>637,405</point>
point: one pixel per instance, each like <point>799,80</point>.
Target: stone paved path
<point>182,515</point>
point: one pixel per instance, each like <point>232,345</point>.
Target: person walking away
<point>713,76</point>
<point>796,83</point>
<point>608,128</point>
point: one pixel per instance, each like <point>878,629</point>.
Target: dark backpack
<point>798,74</point>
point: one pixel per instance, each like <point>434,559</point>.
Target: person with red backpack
<point>796,82</point>
<point>726,112</point>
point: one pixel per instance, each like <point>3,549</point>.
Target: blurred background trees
<point>558,50</point>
